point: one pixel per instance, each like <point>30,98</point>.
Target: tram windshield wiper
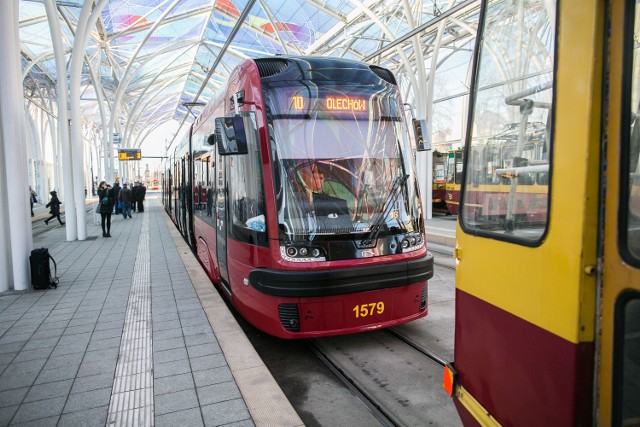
<point>376,224</point>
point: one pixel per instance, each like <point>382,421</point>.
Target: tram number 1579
<point>364,310</point>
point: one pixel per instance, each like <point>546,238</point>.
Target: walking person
<point>125,201</point>
<point>105,195</point>
<point>54,205</point>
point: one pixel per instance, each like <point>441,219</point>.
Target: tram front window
<point>340,172</point>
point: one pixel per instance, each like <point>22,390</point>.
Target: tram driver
<point>331,212</point>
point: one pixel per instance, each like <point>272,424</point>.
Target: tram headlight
<point>412,242</point>
<point>297,253</point>
<point>292,251</point>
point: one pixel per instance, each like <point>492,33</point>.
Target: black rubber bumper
<point>320,283</point>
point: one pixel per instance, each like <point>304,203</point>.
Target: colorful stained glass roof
<point>150,57</point>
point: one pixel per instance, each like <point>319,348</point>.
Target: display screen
<point>129,154</point>
<point>329,103</point>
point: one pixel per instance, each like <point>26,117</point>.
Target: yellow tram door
<point>618,320</point>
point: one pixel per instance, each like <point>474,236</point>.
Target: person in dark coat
<point>54,205</point>
<point>142,191</point>
<point>106,200</point>
<point>134,195</point>
<point>116,196</point>
<point>125,200</point>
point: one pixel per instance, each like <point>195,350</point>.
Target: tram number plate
<point>364,310</point>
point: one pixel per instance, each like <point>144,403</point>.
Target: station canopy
<point>168,56</point>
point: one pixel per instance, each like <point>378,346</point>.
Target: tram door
<point>221,218</point>
<point>525,279</point>
<point>618,353</point>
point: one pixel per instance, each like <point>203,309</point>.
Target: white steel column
<point>75,68</point>
<point>88,17</point>
<point>63,124</point>
<point>15,203</point>
<point>424,160</point>
<point>432,77</point>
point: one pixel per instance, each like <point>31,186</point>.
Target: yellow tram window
<point>506,193</point>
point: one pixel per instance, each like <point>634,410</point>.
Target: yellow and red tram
<point>548,297</point>
<point>439,185</point>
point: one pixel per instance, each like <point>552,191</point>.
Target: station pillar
<point>16,233</point>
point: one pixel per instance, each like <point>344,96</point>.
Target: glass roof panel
<point>160,53</point>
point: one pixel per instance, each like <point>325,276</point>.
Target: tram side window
<point>542,178</point>
<point>450,168</point>
<point>201,177</point>
<point>491,162</point>
<point>511,106</point>
<point>459,165</point>
<point>209,195</point>
<point>477,177</point>
<point>246,189</point>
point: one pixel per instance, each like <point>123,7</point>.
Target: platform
<point>441,229</point>
<point>135,334</point>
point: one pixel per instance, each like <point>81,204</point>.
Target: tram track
<point>417,347</point>
<point>388,372</point>
<point>378,412</point>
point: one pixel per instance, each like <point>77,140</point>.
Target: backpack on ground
<point>41,271</point>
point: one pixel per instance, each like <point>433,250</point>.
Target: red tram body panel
<point>296,189</point>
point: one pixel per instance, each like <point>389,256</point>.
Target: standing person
<point>32,198</point>
<point>116,196</point>
<point>54,204</point>
<point>125,201</point>
<point>142,190</point>
<point>134,195</point>
<point>105,195</point>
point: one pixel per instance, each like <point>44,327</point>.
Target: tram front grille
<point>289,317</point>
<point>423,299</point>
<point>271,66</point>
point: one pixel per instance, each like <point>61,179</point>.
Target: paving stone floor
<point>59,348</point>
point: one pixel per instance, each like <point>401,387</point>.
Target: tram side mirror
<point>211,139</point>
<point>420,131</point>
<point>230,136</point>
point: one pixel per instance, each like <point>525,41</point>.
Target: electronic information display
<point>129,154</point>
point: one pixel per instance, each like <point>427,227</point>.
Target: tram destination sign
<point>129,154</point>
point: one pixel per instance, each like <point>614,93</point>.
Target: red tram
<point>296,189</point>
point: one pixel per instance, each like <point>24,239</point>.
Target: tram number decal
<point>364,310</point>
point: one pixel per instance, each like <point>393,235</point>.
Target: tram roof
<point>173,55</point>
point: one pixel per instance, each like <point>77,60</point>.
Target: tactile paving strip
<point>132,393</point>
